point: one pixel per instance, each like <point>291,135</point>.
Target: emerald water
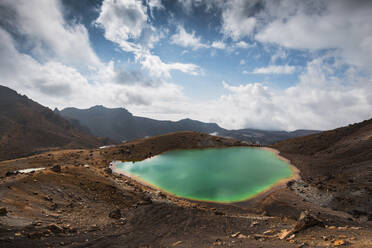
<point>219,175</point>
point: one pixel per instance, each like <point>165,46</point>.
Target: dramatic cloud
<point>125,22</point>
<point>46,33</point>
<point>50,80</point>
<point>342,25</point>
<point>275,69</point>
<point>125,54</point>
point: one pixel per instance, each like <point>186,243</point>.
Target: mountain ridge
<point>119,124</point>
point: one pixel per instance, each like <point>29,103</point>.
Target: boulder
<point>3,212</point>
<point>35,235</point>
<point>54,228</point>
<point>284,234</point>
<point>290,183</point>
<point>115,214</point>
<point>108,171</point>
<point>305,221</point>
<point>56,168</point>
<point>11,173</point>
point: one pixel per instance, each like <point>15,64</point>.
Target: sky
<point>271,64</point>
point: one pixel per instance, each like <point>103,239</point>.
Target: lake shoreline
<point>276,186</point>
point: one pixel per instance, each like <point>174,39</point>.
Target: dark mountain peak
<point>188,120</point>
<point>98,107</point>
<point>9,95</point>
<point>96,110</point>
<point>27,127</point>
<point>4,89</point>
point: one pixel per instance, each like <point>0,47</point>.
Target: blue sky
<point>242,64</point>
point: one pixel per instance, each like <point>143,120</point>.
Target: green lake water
<point>220,175</point>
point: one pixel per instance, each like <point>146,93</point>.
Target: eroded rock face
<point>305,221</point>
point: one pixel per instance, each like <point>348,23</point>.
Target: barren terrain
<point>77,202</point>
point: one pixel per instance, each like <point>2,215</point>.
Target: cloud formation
<point>47,33</point>
<point>51,77</point>
<point>318,101</point>
<point>275,69</point>
<point>341,25</point>
<point>125,22</point>
<point>324,44</point>
<point>182,38</point>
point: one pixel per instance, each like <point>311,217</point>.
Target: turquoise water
<point>219,175</point>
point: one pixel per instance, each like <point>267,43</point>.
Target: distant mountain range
<point>27,127</point>
<point>120,125</point>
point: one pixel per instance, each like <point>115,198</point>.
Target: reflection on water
<point>221,175</point>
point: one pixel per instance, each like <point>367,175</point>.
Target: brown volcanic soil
<point>337,163</point>
<point>78,200</point>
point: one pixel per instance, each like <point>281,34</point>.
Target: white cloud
<point>184,39</point>
<point>319,101</point>
<point>242,44</point>
<point>159,69</point>
<point>154,4</point>
<point>341,25</point>
<point>57,85</point>
<point>242,62</point>
<point>280,53</point>
<point>218,45</point>
<point>125,22</point>
<point>275,69</point>
<point>54,83</point>
<point>235,23</point>
<point>209,5</point>
<point>47,34</point>
<point>122,20</point>
<point>51,80</point>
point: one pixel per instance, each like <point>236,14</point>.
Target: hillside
<point>119,124</point>
<point>339,162</point>
<point>27,127</point>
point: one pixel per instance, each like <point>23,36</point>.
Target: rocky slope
<point>337,163</point>
<point>27,127</point>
